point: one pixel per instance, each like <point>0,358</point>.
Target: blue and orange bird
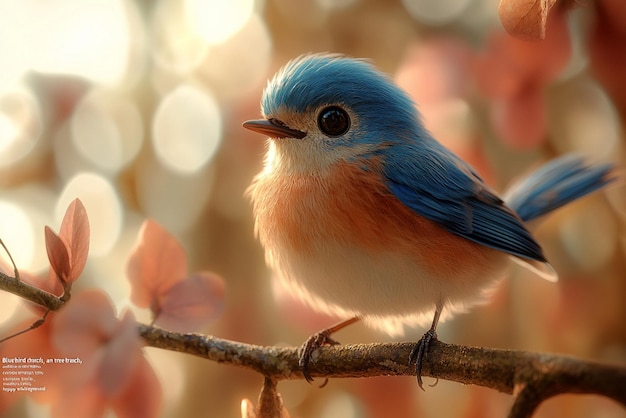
<point>364,215</point>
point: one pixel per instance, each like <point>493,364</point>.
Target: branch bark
<point>531,377</point>
<point>31,293</point>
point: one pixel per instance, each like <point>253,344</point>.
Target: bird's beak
<point>273,129</point>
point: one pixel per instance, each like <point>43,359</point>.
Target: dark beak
<point>273,129</point>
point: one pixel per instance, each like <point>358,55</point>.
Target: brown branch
<point>532,377</point>
<point>270,401</point>
<point>32,293</point>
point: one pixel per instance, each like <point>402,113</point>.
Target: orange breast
<point>353,207</point>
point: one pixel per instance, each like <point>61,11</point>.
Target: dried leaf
<point>525,19</point>
<point>75,233</point>
<point>192,303</point>
<point>57,254</point>
<point>157,263</point>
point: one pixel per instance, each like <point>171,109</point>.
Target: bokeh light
<point>107,130</point>
<point>590,238</point>
<point>436,12</point>
<point>18,234</point>
<point>35,203</point>
<point>216,21</point>
<point>20,125</point>
<point>187,129</point>
<point>588,122</point>
<point>102,268</point>
<point>341,405</point>
<point>89,39</point>
<point>238,67</point>
<point>335,4</point>
<point>175,46</point>
<point>172,198</point>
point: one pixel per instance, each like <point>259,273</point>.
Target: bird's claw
<point>419,352</point>
<point>314,342</point>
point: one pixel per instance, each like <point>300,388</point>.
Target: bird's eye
<point>333,121</point>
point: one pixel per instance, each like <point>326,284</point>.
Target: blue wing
<point>436,184</point>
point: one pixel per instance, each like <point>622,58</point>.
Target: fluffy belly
<point>348,247</point>
<point>387,290</point>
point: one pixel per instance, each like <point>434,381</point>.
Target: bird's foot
<point>314,342</point>
<point>419,352</point>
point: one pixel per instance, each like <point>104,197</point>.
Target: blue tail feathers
<point>557,183</point>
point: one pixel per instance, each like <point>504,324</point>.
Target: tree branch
<point>31,293</point>
<point>532,377</point>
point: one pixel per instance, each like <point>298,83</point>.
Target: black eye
<point>333,121</point>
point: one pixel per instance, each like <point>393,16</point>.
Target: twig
<point>270,401</point>
<point>34,325</point>
<point>15,270</point>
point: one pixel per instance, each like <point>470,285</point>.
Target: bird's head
<point>321,108</point>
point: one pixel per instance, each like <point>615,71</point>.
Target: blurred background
<point>136,108</point>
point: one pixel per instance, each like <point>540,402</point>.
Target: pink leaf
<point>112,362</point>
<point>120,357</point>
<point>84,325</point>
<point>157,263</point>
<point>192,303</point>
<point>57,254</point>
<point>143,395</point>
<point>75,233</point>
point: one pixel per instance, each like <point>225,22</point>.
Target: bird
<point>364,215</point>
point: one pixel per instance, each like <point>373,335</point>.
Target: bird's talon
<point>314,342</point>
<point>419,352</point>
